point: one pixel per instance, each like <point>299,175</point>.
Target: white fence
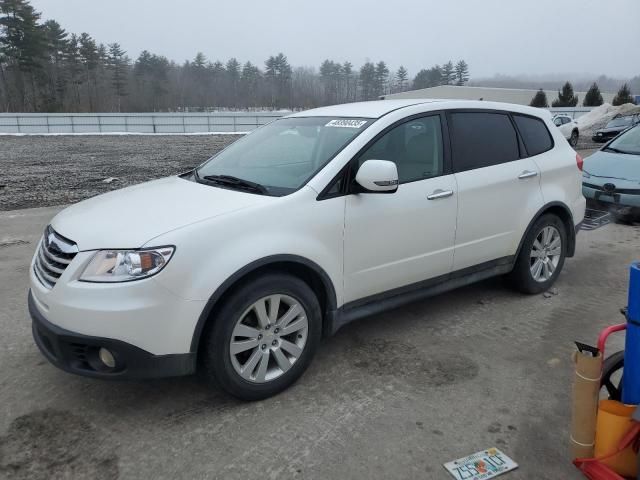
<point>35,123</point>
<point>226,122</point>
<point>573,112</point>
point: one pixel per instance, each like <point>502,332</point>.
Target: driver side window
<point>414,146</point>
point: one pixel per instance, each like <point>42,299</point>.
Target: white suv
<point>569,128</point>
<point>239,267</point>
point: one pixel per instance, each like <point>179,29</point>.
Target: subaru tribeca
<point>239,267</point>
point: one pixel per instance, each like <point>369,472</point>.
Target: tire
<point>610,366</point>
<point>522,276</point>
<point>239,312</point>
<point>573,140</point>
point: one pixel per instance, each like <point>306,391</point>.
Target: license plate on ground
<point>481,465</point>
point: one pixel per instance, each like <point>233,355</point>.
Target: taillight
<point>579,161</point>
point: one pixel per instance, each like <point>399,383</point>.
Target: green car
<point>611,176</point>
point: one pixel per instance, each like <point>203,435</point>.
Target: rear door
<point>498,187</point>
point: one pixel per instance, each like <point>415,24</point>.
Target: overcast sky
<point>493,36</point>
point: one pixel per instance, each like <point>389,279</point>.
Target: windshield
<point>627,142</point>
<point>283,155</point>
<point>620,122</point>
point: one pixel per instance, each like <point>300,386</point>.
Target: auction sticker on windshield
<point>481,465</point>
<point>344,123</point>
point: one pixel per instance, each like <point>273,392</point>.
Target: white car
<point>569,128</point>
<point>310,222</point>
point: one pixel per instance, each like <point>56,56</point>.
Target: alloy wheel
<point>545,253</point>
<point>268,338</point>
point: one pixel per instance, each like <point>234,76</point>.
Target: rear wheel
<point>573,140</point>
<point>542,255</point>
<point>264,337</point>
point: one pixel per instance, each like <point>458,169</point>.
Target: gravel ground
<point>391,396</point>
<point>38,171</point>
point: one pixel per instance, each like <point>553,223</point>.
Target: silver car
<point>611,176</point>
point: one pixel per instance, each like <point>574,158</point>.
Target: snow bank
<point>600,116</point>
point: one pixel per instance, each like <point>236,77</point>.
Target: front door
<point>397,239</point>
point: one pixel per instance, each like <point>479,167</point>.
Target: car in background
<point>616,126</point>
<point>568,127</point>
<point>611,176</point>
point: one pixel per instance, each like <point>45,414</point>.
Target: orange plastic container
<point>614,421</point>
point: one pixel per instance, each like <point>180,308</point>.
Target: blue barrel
<point>631,378</point>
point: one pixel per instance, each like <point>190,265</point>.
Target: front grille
<point>54,254</point>
<point>625,191</point>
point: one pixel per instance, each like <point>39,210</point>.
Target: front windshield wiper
<point>617,150</point>
<point>235,182</point>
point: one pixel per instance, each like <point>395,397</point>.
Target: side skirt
<point>417,291</point>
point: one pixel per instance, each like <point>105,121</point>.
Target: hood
<point>130,217</point>
<point>612,129</point>
<point>613,165</point>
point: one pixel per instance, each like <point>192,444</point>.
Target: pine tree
<point>428,78</point>
<point>461,72</point>
<point>367,81</point>
<point>593,98</point>
<point>566,98</point>
<point>381,79</point>
<point>623,96</point>
<point>118,64</point>
<point>448,73</point>
<point>539,100</point>
<point>401,79</point>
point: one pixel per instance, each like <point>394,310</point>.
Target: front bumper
<point>612,200</point>
<point>77,353</point>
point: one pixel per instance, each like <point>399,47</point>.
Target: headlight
<point>126,265</point>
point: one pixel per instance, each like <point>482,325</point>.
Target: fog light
<point>106,357</point>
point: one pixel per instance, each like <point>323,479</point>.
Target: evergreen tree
<point>593,98</point>
<point>539,100</point>
<point>566,98</point>
<point>249,84</point>
<point>349,87</point>
<point>461,72</point>
<point>401,79</point>
<point>381,79</point>
<point>623,96</point>
<point>448,73</point>
<point>368,81</point>
<point>428,78</point>
<point>118,64</point>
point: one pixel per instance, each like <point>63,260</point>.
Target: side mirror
<point>379,176</point>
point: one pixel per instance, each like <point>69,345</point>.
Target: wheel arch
<point>562,211</point>
<point>300,267</point>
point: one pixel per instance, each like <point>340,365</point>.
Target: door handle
<point>527,174</point>
<point>439,194</point>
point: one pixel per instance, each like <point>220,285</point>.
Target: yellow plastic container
<point>614,421</point>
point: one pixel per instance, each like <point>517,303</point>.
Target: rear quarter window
<point>535,135</point>
<point>481,139</point>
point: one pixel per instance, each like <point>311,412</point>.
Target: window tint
<point>414,146</point>
<point>534,133</point>
<point>480,139</point>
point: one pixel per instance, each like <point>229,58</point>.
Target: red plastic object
<point>579,161</point>
<point>595,470</point>
<point>604,334</point>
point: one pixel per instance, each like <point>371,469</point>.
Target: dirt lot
<point>391,396</point>
<point>56,170</point>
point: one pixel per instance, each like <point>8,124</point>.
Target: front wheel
<point>264,336</point>
<point>541,257</point>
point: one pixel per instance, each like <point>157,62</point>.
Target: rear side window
<point>481,139</point>
<point>535,135</point>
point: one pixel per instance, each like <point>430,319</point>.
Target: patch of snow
<point>600,116</point>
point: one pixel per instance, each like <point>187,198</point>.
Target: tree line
<point>593,97</point>
<point>43,68</point>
